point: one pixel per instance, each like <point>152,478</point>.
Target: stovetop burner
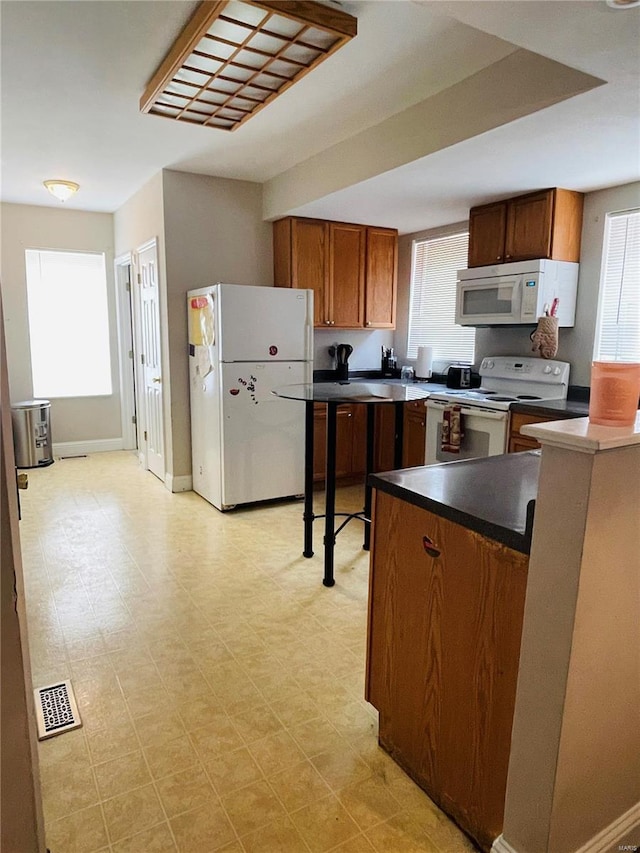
<point>528,397</point>
<point>501,399</point>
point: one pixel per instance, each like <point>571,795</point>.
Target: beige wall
<point>576,344</point>
<point>29,227</point>
<point>139,220</point>
<point>573,769</point>
<point>213,232</point>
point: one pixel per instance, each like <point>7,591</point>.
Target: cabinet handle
<point>327,322</point>
<point>368,322</point>
<point>430,547</point>
<point>507,256</point>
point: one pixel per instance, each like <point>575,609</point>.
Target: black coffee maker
<point>343,351</point>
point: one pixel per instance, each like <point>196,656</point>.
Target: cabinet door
<point>344,441</point>
<point>414,435</point>
<point>517,442</point>
<point>529,221</point>
<point>487,226</point>
<point>445,625</point>
<point>381,278</point>
<point>347,245</point>
<point>309,263</point>
<point>385,434</point>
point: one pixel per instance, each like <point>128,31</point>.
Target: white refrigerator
<point>247,444</point>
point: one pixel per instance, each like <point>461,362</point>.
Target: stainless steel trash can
<point>31,421</point>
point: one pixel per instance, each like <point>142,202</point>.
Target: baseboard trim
<point>610,837</point>
<point>82,448</point>
<point>179,484</point>
<point>607,839</point>
<point>502,846</point>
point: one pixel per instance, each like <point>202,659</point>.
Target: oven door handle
<point>471,411</point>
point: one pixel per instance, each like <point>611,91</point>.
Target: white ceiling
<point>73,73</point>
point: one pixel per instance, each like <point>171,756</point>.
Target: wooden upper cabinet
<point>351,269</point>
<point>487,227</point>
<point>382,273</point>
<point>347,245</point>
<point>529,221</point>
<point>545,224</point>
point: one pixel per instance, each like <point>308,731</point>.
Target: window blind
<point>618,327</point>
<point>434,265</point>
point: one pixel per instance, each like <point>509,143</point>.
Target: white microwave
<point>516,294</point>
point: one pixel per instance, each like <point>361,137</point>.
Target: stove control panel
<point>528,369</point>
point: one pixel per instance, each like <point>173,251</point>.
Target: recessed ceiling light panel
<point>236,56</point>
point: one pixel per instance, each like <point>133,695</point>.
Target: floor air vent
<point>56,709</point>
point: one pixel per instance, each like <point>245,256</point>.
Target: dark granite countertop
<point>492,495</point>
<point>559,408</point>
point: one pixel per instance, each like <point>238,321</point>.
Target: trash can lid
<point>31,404</point>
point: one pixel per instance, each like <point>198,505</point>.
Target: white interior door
<point>151,359</point>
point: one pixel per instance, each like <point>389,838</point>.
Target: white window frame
<point>441,358</point>
<point>621,290</point>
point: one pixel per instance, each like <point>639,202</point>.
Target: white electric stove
<point>485,410</point>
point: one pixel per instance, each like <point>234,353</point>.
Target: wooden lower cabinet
<point>414,434</point>
<point>344,441</point>
<point>517,442</point>
<point>351,440</point>
<point>442,660</point>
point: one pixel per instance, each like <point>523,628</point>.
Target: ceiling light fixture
<point>235,57</point>
<point>62,190</point>
<point>623,4</point>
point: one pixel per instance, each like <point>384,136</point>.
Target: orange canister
<point>615,388</point>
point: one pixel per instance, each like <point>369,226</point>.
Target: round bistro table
<point>369,394</point>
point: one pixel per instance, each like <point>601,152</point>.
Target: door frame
<point>124,275</point>
<point>142,419</point>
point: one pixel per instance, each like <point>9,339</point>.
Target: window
<point>618,328</point>
<point>68,323</point>
<point>433,300</point>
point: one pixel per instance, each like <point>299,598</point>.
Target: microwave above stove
<point>516,294</point>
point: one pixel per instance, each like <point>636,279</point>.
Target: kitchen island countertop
<point>493,495</point>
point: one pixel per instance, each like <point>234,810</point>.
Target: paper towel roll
<point>424,364</point>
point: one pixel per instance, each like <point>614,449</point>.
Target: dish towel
<point>452,430</point>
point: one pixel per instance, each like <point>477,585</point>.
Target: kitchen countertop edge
<point>420,486</point>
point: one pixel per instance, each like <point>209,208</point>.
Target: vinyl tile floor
<point>220,684</point>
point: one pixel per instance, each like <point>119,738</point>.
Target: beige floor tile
<point>276,752</point>
<point>159,727</point>
<point>112,742</point>
<point>130,813</point>
<point>68,789</point>
<point>256,723</point>
<point>400,833</point>
<point>205,830</point>
<point>227,635</point>
<point>171,756</point>
<point>299,786</point>
<point>185,791</point>
<point>340,768</point>
<point>369,801</point>
<point>358,844</point>
<point>122,774</point>
<point>252,807</point>
<point>219,735</point>
<point>325,824</point>
<point>158,839</point>
<point>229,771</point>
<point>81,832</point>
<point>280,836</point>
<point>316,736</point>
